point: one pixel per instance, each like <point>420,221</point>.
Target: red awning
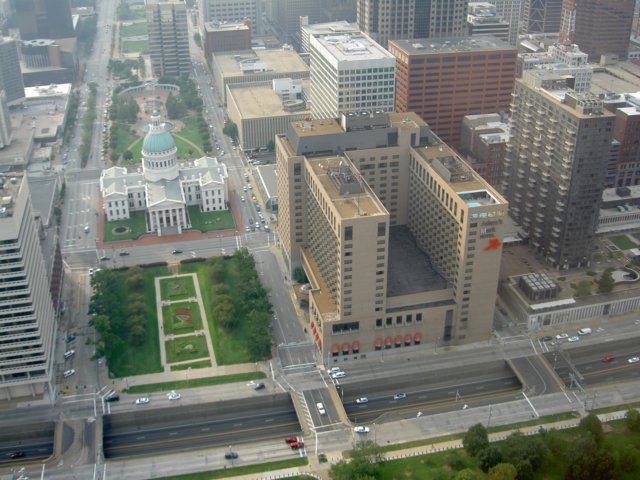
<point>313,326</point>
<point>378,342</point>
<point>345,347</point>
<point>399,340</point>
<point>355,346</point>
<point>388,341</point>
<point>407,339</point>
<point>335,348</point>
<point>417,338</point>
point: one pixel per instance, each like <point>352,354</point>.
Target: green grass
<point>135,46</point>
<point>191,131</point>
<point>211,221</point>
<point>173,326</point>
<point>134,30</point>
<point>623,242</point>
<point>179,350</point>
<point>136,149</point>
<point>583,288</point>
<point>137,227</point>
<point>197,382</point>
<point>123,136</point>
<point>194,365</point>
<point>140,359</point>
<point>244,470</point>
<point>181,288</point>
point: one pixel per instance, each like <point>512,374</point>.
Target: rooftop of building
<point>430,46</point>
<point>10,183</point>
<point>275,60</point>
<point>339,26</point>
<point>623,77</point>
<point>345,188</point>
<point>211,27</point>
<point>260,100</point>
<point>268,180</point>
<point>351,47</point>
<point>409,269</point>
<point>44,91</point>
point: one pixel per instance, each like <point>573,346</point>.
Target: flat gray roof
<point>425,46</point>
<point>269,180</point>
<point>409,268</point>
<point>260,100</point>
<point>276,60</point>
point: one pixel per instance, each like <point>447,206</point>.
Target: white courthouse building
<point>163,189</point>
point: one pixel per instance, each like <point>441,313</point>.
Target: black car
<point>259,386</point>
<point>547,338</point>
<point>17,455</point>
<point>124,254</point>
<point>71,338</point>
<point>113,398</point>
<point>231,455</point>
<point>176,252</point>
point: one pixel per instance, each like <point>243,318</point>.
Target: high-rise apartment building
<point>483,19</point>
<point>400,239</point>
<point>627,133</point>
<point>444,79</point>
<point>231,11</point>
<point>27,315</point>
<point>541,16</point>
<point>49,19</point>
<point>350,73</point>
<point>168,37</point>
<point>599,27</point>
<point>10,75</point>
<point>556,165</point>
<point>386,20</point>
<point>511,12</point>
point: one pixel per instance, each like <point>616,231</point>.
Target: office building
<point>400,239</point>
<point>511,12</point>
<point>350,73</point>
<point>483,142</point>
<point>385,20</point>
<point>10,75</point>
<point>164,189</point>
<point>49,19</point>
<point>285,17</point>
<point>541,16</point>
<point>627,133</point>
<point>599,27</point>
<point>556,166</point>
<point>5,122</point>
<point>225,37</point>
<point>231,11</point>
<point>46,61</point>
<point>27,314</point>
<point>444,79</point>
<point>329,28</point>
<point>168,38</point>
<point>567,60</point>
<point>482,19</point>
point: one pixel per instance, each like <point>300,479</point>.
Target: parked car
<point>142,401</point>
<point>69,373</point>
<point>361,429</point>
<point>362,400</point>
<point>547,338</point>
<point>69,354</point>
<point>399,396</point>
<point>573,339</point>
<point>562,336</point>
<point>70,338</point>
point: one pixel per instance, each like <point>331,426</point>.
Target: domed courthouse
<point>162,189</point>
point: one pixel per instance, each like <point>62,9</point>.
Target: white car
<point>173,395</point>
<point>633,360</point>
<point>69,373</point>
<point>362,400</point>
<point>142,401</point>
<point>562,336</point>
<point>573,339</point>
<point>242,198</point>
<point>361,429</point>
<point>338,375</point>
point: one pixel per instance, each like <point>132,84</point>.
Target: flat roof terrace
<point>409,269</point>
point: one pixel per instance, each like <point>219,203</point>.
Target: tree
<point>230,129</point>
<point>258,340</point>
<point>592,424</point>
<point>599,465</point>
<point>476,439</point>
<point>175,107</point>
<point>468,474</point>
<point>519,447</point>
<point>223,312</point>
<point>632,420</point>
<point>196,38</point>
<point>364,464</point>
<point>489,457</point>
<point>127,155</point>
<point>271,145</point>
<point>606,282</point>
<point>628,458</point>
<point>524,469</point>
<point>502,471</point>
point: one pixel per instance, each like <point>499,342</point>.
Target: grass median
<point>197,382</point>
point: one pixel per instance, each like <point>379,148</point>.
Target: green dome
<point>158,142</point>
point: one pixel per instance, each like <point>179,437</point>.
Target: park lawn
<point>186,151</point>
<point>137,227</point>
<point>428,466</point>
<point>230,347</point>
<point>178,351</point>
<point>194,365</point>
<point>135,46</point>
<point>136,149</point>
<point>197,382</point>
<point>246,470</point>
<point>134,29</point>
<point>623,242</point>
<point>211,221</point>
<point>140,359</point>
<point>175,327</point>
<point>124,138</point>
<point>182,287</point>
<point>191,131</point>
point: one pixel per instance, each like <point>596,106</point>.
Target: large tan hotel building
<point>400,239</point>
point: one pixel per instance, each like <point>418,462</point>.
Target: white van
<point>320,408</point>
<point>584,331</point>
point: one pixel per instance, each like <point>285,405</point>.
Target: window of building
<point>348,233</point>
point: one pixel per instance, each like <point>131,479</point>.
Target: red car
<point>608,358</point>
<point>291,440</point>
<point>296,445</point>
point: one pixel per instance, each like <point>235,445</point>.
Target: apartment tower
<point>27,315</point>
<point>10,74</point>
<point>168,38</point>
<point>444,79</point>
<point>400,239</point>
<point>350,73</point>
<point>556,165</point>
<point>627,133</point>
<point>599,27</point>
